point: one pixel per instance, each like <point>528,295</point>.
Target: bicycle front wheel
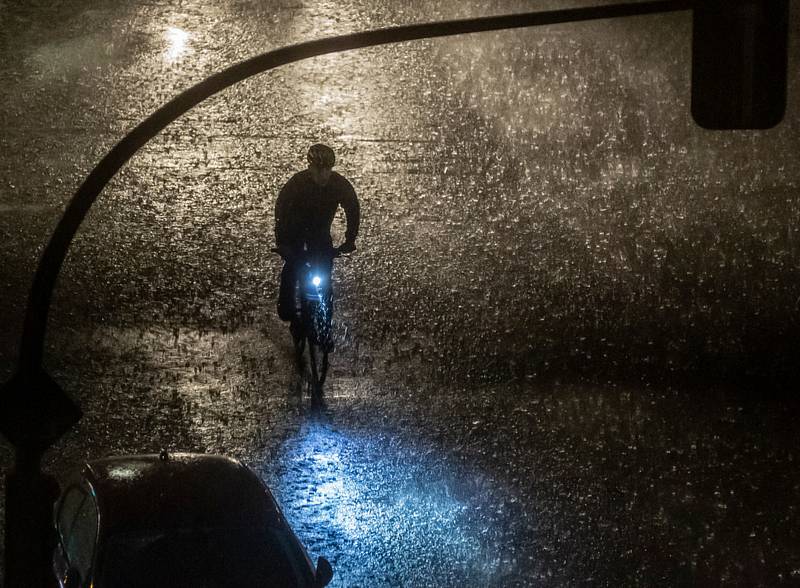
<point>318,359</point>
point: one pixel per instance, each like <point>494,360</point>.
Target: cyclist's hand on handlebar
<point>346,247</point>
<point>284,252</point>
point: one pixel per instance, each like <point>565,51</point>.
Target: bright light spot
<point>176,43</point>
<point>339,490</point>
<point>316,280</point>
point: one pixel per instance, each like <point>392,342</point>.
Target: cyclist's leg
<point>287,294</point>
<point>299,342</point>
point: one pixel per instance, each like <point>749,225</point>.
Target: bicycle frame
<point>316,300</point>
<point>312,325</point>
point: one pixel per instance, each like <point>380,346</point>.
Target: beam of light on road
<point>176,44</point>
<point>351,500</point>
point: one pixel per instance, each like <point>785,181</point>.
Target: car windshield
<point>203,557</point>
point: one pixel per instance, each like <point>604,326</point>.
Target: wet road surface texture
<point>558,278</point>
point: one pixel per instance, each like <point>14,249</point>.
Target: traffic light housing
<point>739,60</point>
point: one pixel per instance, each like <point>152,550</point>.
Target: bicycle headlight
<point>316,280</point>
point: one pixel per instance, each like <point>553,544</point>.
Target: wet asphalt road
<point>491,183</point>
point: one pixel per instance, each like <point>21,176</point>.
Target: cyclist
<point>304,213</point>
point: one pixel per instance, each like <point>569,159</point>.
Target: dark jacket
<point>304,211</point>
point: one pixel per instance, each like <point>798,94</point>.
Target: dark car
<point>176,520</point>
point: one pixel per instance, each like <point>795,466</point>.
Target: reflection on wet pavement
<point>378,511</point>
<point>177,40</point>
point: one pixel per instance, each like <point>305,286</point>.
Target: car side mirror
<point>324,573</point>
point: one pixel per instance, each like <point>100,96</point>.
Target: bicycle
<point>311,326</point>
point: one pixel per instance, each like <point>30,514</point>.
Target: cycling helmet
<point>321,155</point>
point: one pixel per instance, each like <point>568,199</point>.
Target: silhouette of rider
<point>304,213</point>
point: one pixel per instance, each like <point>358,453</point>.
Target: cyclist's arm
<point>282,213</point>
<point>352,211</point>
